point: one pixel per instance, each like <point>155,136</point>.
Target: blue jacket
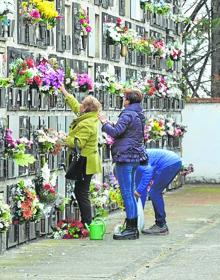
<point>158,160</point>
<point>128,134</point>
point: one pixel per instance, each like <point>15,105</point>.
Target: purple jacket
<point>128,135</point>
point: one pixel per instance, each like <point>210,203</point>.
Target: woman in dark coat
<point>127,153</point>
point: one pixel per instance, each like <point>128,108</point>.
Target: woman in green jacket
<point>84,128</point>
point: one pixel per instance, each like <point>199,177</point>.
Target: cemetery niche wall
<point>113,44</point>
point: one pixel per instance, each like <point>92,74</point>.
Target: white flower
<point>53,179</point>
<point>45,172</point>
<point>19,204</point>
<point>1,225</point>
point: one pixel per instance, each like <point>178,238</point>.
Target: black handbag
<point>77,164</point>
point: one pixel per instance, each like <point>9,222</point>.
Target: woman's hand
<point>63,90</point>
<point>136,194</point>
<point>102,119</point>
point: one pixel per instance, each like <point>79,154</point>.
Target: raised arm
<point>71,100</point>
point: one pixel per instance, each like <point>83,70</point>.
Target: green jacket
<point>85,129</point>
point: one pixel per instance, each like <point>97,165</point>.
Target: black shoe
<point>156,230</point>
<point>130,232</point>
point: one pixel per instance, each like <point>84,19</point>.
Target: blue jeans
<point>125,175</point>
<point>161,179</point>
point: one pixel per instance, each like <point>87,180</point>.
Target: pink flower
<point>119,21</point>
<point>82,21</point>
<point>88,29</point>
<point>60,17</point>
<point>35,13</point>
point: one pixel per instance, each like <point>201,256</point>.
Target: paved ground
<point>190,251</point>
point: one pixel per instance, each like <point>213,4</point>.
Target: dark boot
<point>130,232</point>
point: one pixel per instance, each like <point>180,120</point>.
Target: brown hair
<point>91,104</point>
<point>133,95</point>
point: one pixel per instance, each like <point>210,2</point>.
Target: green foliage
<point>23,159</point>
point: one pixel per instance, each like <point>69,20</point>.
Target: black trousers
<point>82,196</point>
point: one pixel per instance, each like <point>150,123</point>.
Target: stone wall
<point>201,144</point>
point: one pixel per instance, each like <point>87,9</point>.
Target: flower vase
<point>124,50</point>
<point>84,41</point>
<point>43,159</point>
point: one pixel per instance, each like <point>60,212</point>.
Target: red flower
<point>29,81</point>
<point>67,236</point>
<point>47,186</point>
<point>52,190</point>
<point>38,80</point>
<point>85,233</point>
<point>30,62</point>
<point>152,90</point>
<point>119,21</point>
<point>150,81</point>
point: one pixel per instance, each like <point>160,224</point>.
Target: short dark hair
<point>133,95</point>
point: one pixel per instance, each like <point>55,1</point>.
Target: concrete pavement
<point>190,251</point>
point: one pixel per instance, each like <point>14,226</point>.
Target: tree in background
<point>201,42</point>
<point>215,89</point>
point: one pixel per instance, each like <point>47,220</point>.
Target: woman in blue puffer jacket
<point>127,152</point>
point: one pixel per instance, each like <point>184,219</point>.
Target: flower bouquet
<point>110,83</point>
<point>46,143</point>
<point>174,129</point>
<point>154,129</point>
<point>85,82</point>
<point>52,76</point>
<point>17,149</point>
<point>70,79</point>
<point>174,53</point>
<point>99,197</point>
<point>5,216</point>
<point>69,230</point>
<point>112,33</point>
<point>117,33</point>
<point>150,88</point>
<point>49,140</point>
<point>159,48</point>
<point>24,73</point>
<point>46,185</point>
<point>84,21</point>
<point>25,204</point>
<point>143,45</point>
<point>156,87</point>
<point>157,7</point>
<point>116,197</point>
<point>40,11</point>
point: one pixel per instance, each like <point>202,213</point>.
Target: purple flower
<point>51,78</point>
